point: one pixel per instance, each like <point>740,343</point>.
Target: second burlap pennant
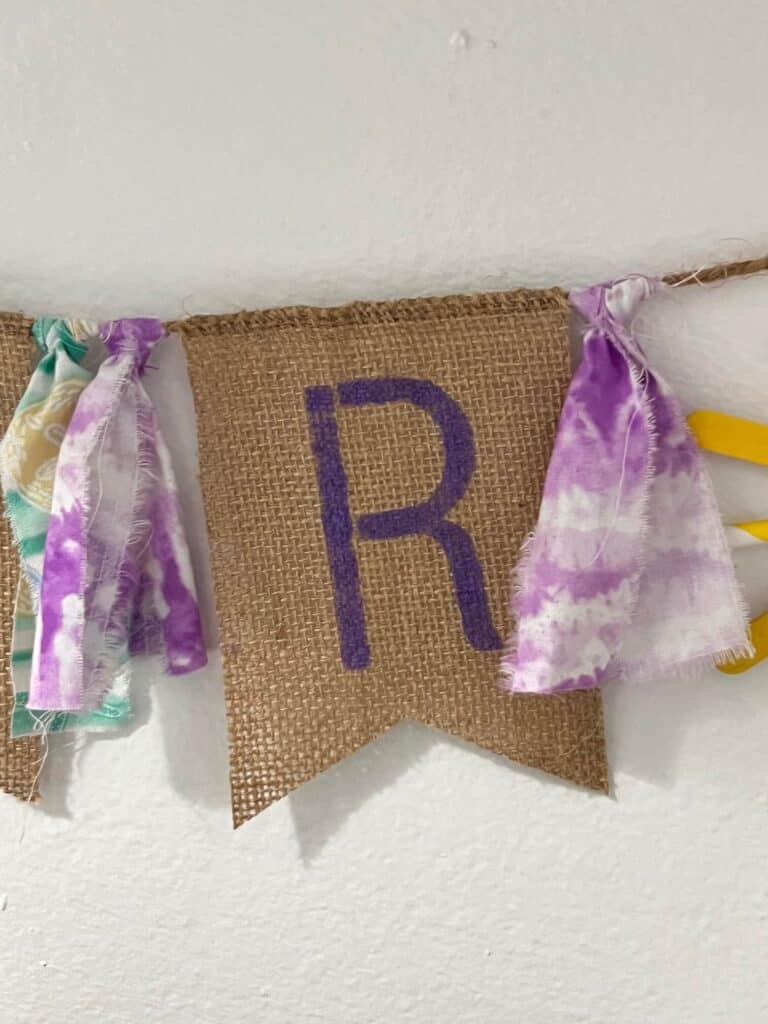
<point>369,474</point>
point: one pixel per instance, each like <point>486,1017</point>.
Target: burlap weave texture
<point>19,759</point>
<point>369,474</point>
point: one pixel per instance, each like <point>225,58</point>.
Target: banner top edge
<point>380,312</point>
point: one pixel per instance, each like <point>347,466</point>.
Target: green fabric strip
<point>111,715</point>
<point>32,545</point>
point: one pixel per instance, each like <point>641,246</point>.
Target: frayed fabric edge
<point>687,669</point>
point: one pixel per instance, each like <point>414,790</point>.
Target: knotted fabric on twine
<point>28,457</point>
<point>117,576</point>
<point>628,573</point>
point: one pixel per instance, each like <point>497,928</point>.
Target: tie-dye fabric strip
<point>28,456</point>
<point>628,573</point>
<point>117,573</point>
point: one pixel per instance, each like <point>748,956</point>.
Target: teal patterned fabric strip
<point>29,454</point>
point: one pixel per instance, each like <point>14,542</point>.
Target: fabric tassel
<point>117,574</point>
<point>628,573</point>
<point>29,454</point>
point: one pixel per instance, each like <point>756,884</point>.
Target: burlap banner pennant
<point>369,473</point>
<point>19,759</point>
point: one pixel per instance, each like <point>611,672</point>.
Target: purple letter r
<point>428,517</point>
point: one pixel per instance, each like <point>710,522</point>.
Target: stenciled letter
<point>427,517</point>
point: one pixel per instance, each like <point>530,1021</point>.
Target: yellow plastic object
<point>759,630</point>
<point>738,438</point>
<point>757,529</point>
<point>730,435</point>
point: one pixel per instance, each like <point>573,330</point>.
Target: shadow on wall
<point>321,807</point>
<point>647,723</point>
<point>191,709</point>
<point>191,720</point>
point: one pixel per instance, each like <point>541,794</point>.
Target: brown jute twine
<point>719,272</point>
<point>19,759</point>
<point>714,274</point>
<point>293,708</point>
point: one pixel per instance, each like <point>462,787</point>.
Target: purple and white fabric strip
<point>117,576</point>
<point>628,574</point>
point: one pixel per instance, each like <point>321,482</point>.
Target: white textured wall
<point>213,154</point>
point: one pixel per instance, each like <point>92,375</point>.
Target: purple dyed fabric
<point>628,574</point>
<point>117,576</point>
